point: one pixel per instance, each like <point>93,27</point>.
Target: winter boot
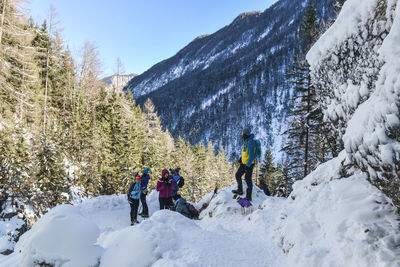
<point>248,198</point>
<point>237,192</point>
<point>144,215</point>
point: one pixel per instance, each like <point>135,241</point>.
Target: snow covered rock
<point>62,237</point>
<point>355,66</point>
<point>10,230</point>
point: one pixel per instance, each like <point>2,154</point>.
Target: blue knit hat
<point>146,171</point>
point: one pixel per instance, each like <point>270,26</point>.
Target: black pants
<point>144,204</point>
<point>248,171</point>
<point>165,202</point>
<point>134,209</point>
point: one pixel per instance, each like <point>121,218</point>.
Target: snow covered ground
<point>330,222</point>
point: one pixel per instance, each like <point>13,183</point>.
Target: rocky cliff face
<point>117,81</point>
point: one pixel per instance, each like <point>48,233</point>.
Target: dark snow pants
<point>144,204</point>
<point>134,208</point>
<point>248,171</point>
<point>165,202</point>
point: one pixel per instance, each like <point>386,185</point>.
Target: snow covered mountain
<point>233,77</point>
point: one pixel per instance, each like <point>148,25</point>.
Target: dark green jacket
<point>180,206</point>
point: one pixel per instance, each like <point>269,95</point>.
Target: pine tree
<point>305,133</point>
<point>50,179</point>
<point>17,74</point>
<point>224,170</point>
<point>196,189</point>
<point>271,173</point>
<point>15,164</point>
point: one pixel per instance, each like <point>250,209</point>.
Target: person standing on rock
<point>247,162</point>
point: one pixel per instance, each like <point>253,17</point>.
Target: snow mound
<point>62,237</point>
<point>338,222</point>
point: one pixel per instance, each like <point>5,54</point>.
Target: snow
<point>330,222</point>
<point>212,99</point>
<point>8,228</point>
<point>265,33</point>
<point>339,222</point>
<point>367,129</point>
<point>366,108</point>
<point>352,16</point>
<point>62,237</point>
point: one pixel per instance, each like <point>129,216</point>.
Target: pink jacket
<point>165,187</point>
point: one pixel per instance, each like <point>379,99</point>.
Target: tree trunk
<point>306,148</point>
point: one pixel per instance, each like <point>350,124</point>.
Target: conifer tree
<point>200,169</point>
<point>50,179</point>
<point>17,74</point>
<point>271,173</point>
<point>224,170</point>
<point>305,133</point>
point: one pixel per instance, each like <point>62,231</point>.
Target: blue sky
<point>140,32</point>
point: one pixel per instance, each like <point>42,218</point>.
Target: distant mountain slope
<point>236,76</point>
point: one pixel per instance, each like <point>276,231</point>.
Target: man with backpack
<point>144,183</point>
<point>250,151</point>
<point>185,208</point>
<point>179,181</point>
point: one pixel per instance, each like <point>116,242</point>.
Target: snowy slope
<point>326,225</point>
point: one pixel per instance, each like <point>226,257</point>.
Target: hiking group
<point>168,187</point>
<point>171,181</point>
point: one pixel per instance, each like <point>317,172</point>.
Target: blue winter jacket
<point>175,181</point>
<point>132,191</point>
<point>144,183</point>
<point>249,151</point>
